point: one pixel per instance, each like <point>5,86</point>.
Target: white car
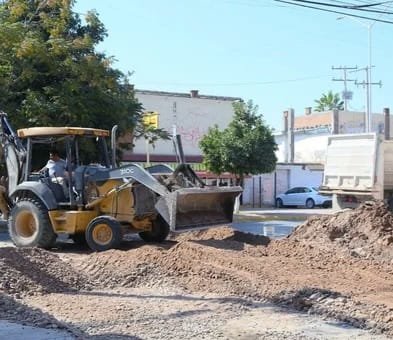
<point>303,196</point>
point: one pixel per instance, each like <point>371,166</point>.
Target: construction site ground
<point>331,278</point>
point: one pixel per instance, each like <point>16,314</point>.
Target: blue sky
<point>277,55</point>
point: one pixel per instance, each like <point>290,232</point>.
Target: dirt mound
<point>365,232</point>
<point>31,271</point>
<point>304,271</point>
<point>289,272</point>
<point>188,260</point>
<point>16,311</point>
<point>130,268</point>
<point>224,233</point>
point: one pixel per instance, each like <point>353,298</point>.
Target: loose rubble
<point>334,266</point>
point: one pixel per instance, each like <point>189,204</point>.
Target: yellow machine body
<point>109,199</point>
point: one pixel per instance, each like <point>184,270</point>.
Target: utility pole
<point>367,85</point>
<point>346,94</point>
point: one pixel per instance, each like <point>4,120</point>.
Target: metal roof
<point>187,95</point>
<point>60,131</point>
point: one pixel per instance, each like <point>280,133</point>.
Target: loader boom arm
<point>14,152</point>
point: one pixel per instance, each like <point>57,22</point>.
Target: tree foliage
<point>51,74</point>
<point>328,102</point>
<point>245,147</point>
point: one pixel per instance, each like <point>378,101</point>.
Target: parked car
<point>303,196</point>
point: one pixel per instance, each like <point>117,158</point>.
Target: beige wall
<point>192,118</point>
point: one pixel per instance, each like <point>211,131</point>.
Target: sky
<point>279,56</point>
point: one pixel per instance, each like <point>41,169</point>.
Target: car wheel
<point>279,203</point>
<point>310,204</point>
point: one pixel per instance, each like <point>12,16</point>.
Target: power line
<point>351,6</point>
<point>332,11</point>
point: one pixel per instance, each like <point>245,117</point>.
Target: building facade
<point>188,114</point>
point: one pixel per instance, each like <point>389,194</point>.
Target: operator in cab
<point>57,170</point>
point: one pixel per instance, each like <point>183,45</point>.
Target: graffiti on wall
<point>191,135</point>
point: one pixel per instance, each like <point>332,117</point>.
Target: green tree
<point>51,74</point>
<point>328,102</point>
<point>245,147</point>
<point>151,134</point>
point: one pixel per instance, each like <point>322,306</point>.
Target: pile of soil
<point>29,271</point>
<point>365,232</point>
<point>304,271</point>
<point>224,233</point>
<point>16,311</point>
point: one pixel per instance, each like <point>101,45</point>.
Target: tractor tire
<point>103,233</point>
<point>158,233</point>
<point>29,225</point>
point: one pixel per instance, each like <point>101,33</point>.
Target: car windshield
<point>315,189</point>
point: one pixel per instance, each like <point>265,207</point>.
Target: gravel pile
<point>335,266</point>
<point>29,271</point>
<point>365,232</point>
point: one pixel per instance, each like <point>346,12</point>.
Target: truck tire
<point>29,225</point>
<point>103,233</point>
<point>158,233</point>
<point>310,204</point>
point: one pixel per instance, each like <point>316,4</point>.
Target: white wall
<point>301,177</point>
<point>262,188</point>
<point>309,148</point>
<point>192,117</point>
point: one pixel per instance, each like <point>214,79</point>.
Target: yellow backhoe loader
<point>103,201</point>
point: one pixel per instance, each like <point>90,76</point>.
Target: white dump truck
<point>359,167</point>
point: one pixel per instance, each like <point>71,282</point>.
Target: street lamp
<point>369,27</point>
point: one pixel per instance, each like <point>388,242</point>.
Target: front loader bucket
<point>195,208</point>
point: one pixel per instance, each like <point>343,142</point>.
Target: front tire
<point>103,233</point>
<point>158,233</point>
<point>29,225</point>
<point>279,203</point>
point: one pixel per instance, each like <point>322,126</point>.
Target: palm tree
<point>329,102</point>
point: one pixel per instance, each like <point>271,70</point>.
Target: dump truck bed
<point>358,163</point>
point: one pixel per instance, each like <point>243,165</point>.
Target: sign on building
<point>150,118</point>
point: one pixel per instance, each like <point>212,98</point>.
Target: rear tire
<point>310,204</point>
<point>29,225</point>
<point>158,233</point>
<point>279,203</point>
<point>103,233</point>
